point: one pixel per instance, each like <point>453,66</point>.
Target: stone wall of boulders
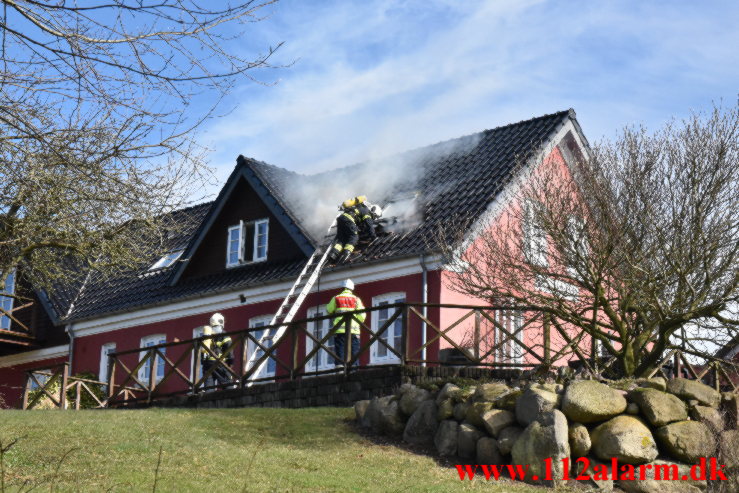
<point>644,421</point>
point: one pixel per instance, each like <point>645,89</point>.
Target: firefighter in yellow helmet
<point>355,214</point>
<point>217,345</point>
<point>346,301</point>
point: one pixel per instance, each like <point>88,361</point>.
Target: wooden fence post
<point>476,337</point>
<point>404,339</point>
<point>63,388</point>
<point>26,390</point>
<point>347,341</point>
<point>547,340</point>
<point>111,378</point>
<point>295,351</point>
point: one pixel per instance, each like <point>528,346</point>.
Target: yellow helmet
<point>355,201</point>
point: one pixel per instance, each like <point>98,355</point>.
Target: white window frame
<point>167,260</point>
<point>197,332</point>
<point>389,357</point>
<point>7,302</point>
<point>148,341</point>
<point>322,360</point>
<point>252,348</point>
<point>509,352</point>
<point>105,350</point>
<point>242,239</point>
<point>535,244</point>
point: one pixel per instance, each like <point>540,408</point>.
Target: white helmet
<point>217,320</point>
<point>376,210</point>
<point>348,284</point>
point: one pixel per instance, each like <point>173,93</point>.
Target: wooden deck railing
<point>52,386</point>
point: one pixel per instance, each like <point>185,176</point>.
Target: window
<point>6,301</point>
<point>105,350</point>
<point>535,240</point>
<point>145,370</point>
<point>265,338</point>
<point>43,376</point>
<point>509,351</point>
<point>393,336</point>
<point>321,360</point>
<point>247,242</point>
<point>196,333</point>
<point>167,260</point>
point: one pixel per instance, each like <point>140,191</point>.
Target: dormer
<point>247,242</point>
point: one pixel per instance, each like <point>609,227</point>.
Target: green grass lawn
<point>216,450</point>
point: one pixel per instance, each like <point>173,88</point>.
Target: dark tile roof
<point>450,180</point>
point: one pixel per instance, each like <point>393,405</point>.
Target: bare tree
<point>636,245</point>
<point>98,103</point>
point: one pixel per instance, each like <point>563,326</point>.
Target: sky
<point>362,79</point>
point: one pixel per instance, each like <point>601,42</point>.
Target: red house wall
<point>13,380</point>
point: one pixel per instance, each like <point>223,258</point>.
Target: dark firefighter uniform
<point>355,217</point>
<point>346,301</point>
<point>218,345</point>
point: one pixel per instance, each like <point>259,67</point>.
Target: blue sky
<point>368,78</point>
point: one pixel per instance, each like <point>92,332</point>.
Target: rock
<point>588,401</point>
<point>599,479</point>
<point>445,392</point>
<point>729,448</point>
<point>507,437</point>
<point>579,439</point>
<point>460,410</point>
<point>666,469</point>
<point>360,409</point>
<point>467,440</point>
<point>487,451</point>
<point>660,408</point>
<point>445,410</point>
<point>495,420</point>
<point>626,438</point>
<point>555,388</point>
<point>687,441</point>
<point>463,394</point>
<point>542,439</point>
<point>488,392</point>
<point>708,415</point>
<point>475,412</point>
<point>385,416</point>
<point>533,403</point>
<point>445,439</point>
<point>658,383</point>
<point>730,410</point>
<point>632,408</point>
<point>508,401</point>
<point>422,425</point>
<point>412,398</point>
<point>692,389</point>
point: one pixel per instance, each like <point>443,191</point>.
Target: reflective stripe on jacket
<point>346,301</point>
<point>217,344</point>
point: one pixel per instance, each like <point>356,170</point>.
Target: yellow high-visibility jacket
<point>217,344</point>
<point>346,301</point>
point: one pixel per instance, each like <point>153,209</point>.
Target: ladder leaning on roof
<point>294,299</point>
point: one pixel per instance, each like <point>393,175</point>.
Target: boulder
<point>632,408</point>
<point>446,392</point>
<point>489,392</point>
<point>445,439</point>
<point>487,451</point>
<point>508,401</point>
<point>729,448</point>
<point>658,383</point>
<point>730,410</point>
<point>598,480</point>
<point>460,410</point>
<point>666,469</point>
<point>495,420</point>
<point>555,388</point>
<point>360,410</point>
<point>422,425</point>
<point>372,413</point>
<point>660,408</point>
<point>385,416</point>
<point>692,389</point>
<point>467,439</point>
<point>542,439</point>
<point>445,410</point>
<point>533,403</point>
<point>412,398</point>
<point>579,440</point>
<point>687,441</point>
<point>475,412</point>
<point>507,437</point>
<point>626,438</point>
<point>708,415</point>
<point>588,401</point>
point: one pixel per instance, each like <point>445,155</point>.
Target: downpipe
<point>425,299</point>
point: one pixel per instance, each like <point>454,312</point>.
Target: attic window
<point>247,242</point>
<point>167,260</point>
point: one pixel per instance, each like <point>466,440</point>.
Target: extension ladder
<point>292,302</point>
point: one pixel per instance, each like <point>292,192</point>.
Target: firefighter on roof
<point>346,301</point>
<point>357,215</point>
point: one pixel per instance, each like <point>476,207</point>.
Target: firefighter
<point>217,345</point>
<point>355,214</point>
<point>346,301</point>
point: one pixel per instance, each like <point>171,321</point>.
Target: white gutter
<point>424,300</point>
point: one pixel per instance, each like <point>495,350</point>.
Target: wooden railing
<point>52,386</point>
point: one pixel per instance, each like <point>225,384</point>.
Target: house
<point>240,254</point>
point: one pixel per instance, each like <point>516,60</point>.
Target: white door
<point>393,335</point>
